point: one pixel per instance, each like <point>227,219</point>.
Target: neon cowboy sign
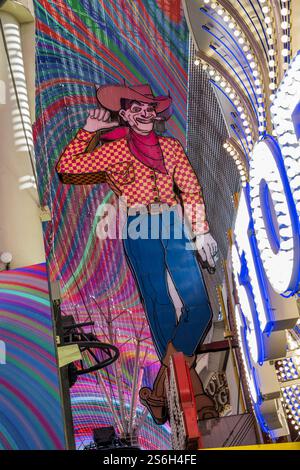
<point>266,252</point>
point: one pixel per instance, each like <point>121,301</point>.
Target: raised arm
<point>191,192</point>
<point>76,165</point>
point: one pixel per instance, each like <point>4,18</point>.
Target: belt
<point>153,209</point>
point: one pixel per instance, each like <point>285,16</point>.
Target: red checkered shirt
<point>127,176</point>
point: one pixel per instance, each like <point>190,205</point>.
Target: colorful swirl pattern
<point>30,406</point>
<point>80,44</point>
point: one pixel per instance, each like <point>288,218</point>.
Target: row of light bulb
<point>288,369</point>
<point>238,161</point>
<point>293,344</point>
<point>286,36</point>
<point>267,12</point>
<point>282,109</point>
<point>256,73</point>
<point>285,39</point>
<point>291,403</point>
<point>223,83</point>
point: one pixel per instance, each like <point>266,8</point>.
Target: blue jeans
<point>150,259</point>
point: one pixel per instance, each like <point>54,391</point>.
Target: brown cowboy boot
<point>155,400</point>
<point>204,404</point>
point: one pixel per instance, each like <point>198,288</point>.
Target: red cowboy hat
<point>110,96</point>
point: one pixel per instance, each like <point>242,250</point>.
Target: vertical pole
<point>62,371</point>
<point>134,385</point>
<point>117,376</point>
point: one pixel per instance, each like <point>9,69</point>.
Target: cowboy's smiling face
<point>139,116</point>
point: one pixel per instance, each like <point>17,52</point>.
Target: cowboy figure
<point>154,176</point>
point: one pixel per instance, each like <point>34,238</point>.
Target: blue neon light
<point>269,215</point>
<point>233,105</point>
<point>244,281</point>
<point>253,24</point>
<point>205,12</point>
<point>296,120</point>
<point>205,28</point>
<point>261,277</point>
<point>234,71</point>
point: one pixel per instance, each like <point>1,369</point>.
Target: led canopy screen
<point>30,406</point>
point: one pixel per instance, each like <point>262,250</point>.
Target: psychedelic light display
<point>30,406</point>
<point>80,45</point>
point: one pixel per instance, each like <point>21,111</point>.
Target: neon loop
<point>275,217</point>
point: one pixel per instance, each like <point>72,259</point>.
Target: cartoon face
<point>140,116</point>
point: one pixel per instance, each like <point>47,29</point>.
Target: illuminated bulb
<point>206,1</point>
<point>272,63</point>
<point>265,9</point>
<point>249,138</point>
<point>271,52</point>
<point>272,74</point>
<point>269,31</point>
<point>205,67</point>
<point>236,102</point>
<point>252,65</point>
<point>255,73</point>
<point>240,109</point>
<point>285,38</point>
<point>285,52</point>
<point>231,96</point>
<point>236,32</point>
<point>227,89</point>
<point>211,73</point>
<point>231,25</point>
<point>267,20</point>
<point>261,128</point>
<point>243,116</point>
<point>223,84</point>
<point>241,40</point>
<point>257,82</point>
<point>284,12</point>
<point>217,78</point>
<point>197,62</point>
<point>245,48</point>
<point>226,18</point>
<point>285,25</point>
